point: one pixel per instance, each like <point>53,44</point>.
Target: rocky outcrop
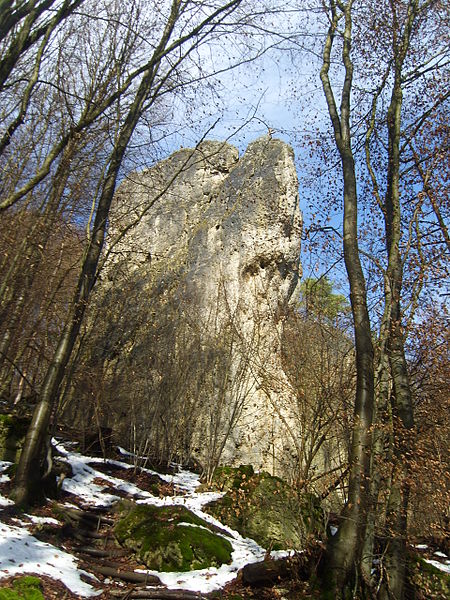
<point>209,217</point>
<point>211,242</point>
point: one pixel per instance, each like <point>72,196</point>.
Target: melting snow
<point>20,552</point>
<point>439,565</point>
<point>43,520</point>
<point>4,478</point>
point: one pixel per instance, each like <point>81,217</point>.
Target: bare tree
<point>405,60</point>
<point>164,62</point>
<point>346,547</point>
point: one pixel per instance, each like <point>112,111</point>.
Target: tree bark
<point>401,398</point>
<point>344,551</point>
<point>27,480</point>
<point>130,576</point>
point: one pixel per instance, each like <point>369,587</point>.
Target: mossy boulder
<point>13,430</point>
<point>171,538</point>
<point>23,588</point>
<point>427,580</point>
<point>226,479</point>
<point>265,508</point>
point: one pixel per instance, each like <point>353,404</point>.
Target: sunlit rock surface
<point>218,238</point>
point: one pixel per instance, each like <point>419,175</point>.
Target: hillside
<point>69,543</point>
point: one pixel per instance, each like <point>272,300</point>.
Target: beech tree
<point>393,29</point>
<point>347,544</point>
<point>183,27</point>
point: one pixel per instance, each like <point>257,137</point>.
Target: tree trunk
<point>402,408</point>
<point>377,457</point>
<point>345,548</point>
<point>27,479</point>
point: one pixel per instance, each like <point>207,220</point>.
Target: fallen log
<point>265,573</point>
<point>130,576</point>
<point>83,535</point>
<point>119,566</point>
<point>79,516</point>
<point>76,535</point>
<point>158,595</point>
<point>103,553</point>
<point>95,535</point>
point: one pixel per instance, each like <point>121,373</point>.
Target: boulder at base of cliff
<point>265,508</point>
<point>13,430</point>
<point>171,538</point>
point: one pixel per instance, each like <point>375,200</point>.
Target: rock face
<point>218,238</point>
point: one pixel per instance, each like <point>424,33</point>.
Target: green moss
<point>12,433</point>
<point>431,582</point>
<point>171,538</point>
<point>24,588</point>
<point>265,508</point>
<point>154,489</point>
<point>311,512</point>
<point>8,594</point>
<point>432,570</point>
<point>16,425</point>
<point>226,478</point>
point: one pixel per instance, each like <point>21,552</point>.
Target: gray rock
<point>265,508</point>
<point>13,430</point>
<point>220,236</point>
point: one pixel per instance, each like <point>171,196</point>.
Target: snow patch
<point>438,565</point>
<point>20,552</point>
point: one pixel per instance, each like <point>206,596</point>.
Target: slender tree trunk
<point>28,474</point>
<point>377,456</point>
<point>402,408</point>
<point>345,548</point>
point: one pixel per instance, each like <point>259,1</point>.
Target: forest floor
<point>69,543</point>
